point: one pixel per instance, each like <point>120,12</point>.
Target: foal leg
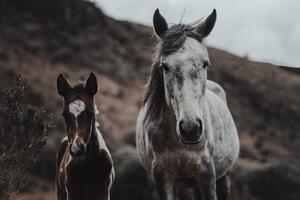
<point>164,187</point>
<point>60,194</point>
<point>223,188</point>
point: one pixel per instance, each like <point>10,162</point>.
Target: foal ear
<point>205,27</point>
<point>91,84</point>
<point>159,23</point>
<point>63,87</point>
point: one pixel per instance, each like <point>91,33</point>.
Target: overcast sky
<point>264,30</point>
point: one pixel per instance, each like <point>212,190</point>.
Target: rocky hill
<point>40,39</point>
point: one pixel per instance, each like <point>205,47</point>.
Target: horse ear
<point>63,87</point>
<point>91,84</point>
<point>205,27</point>
<point>159,23</point>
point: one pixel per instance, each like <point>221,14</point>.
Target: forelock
<point>175,37</point>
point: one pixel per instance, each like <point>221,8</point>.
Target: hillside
<point>40,39</point>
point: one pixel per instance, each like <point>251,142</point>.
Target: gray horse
<point>185,134</point>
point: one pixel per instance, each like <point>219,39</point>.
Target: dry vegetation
<point>23,134</point>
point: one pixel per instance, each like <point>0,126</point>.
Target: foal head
<point>182,63</point>
<point>79,112</point>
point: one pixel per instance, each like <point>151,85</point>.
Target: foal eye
<point>205,64</point>
<point>165,67</point>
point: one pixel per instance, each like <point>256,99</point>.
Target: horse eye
<point>205,64</point>
<point>165,67</point>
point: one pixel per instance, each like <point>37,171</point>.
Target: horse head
<point>79,112</point>
<point>183,60</point>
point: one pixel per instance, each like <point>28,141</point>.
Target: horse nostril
<point>200,126</point>
<point>189,127</point>
<point>186,127</point>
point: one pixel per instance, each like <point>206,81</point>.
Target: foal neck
<point>93,145</point>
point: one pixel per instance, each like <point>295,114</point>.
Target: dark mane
<point>155,92</point>
<point>79,90</point>
<point>172,40</point>
<point>78,86</point>
<point>175,37</point>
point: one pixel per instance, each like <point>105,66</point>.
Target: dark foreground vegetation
<point>23,134</point>
<point>41,38</point>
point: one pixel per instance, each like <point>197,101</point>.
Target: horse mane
<point>79,90</point>
<point>154,96</point>
<point>169,43</point>
<point>78,86</point>
<point>175,37</point>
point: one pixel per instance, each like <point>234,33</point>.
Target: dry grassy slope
<point>41,50</point>
<point>262,97</point>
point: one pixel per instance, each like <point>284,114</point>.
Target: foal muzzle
<point>77,149</point>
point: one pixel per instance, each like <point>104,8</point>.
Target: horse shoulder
<point>60,188</point>
<point>104,157</point>
<point>224,133</point>
<point>216,89</point>
<point>61,151</point>
<point>105,162</point>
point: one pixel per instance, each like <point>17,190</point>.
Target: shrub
<point>23,133</point>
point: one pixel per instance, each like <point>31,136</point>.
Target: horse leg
<point>181,193</point>
<point>60,191</point>
<point>207,181</point>
<point>223,188</point>
<point>164,187</point>
<point>60,194</point>
<point>184,193</point>
<point>75,187</point>
<point>197,193</point>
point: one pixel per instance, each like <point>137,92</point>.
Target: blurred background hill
<point>41,38</point>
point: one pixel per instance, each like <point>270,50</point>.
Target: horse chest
<point>97,165</point>
<point>89,177</point>
<point>176,158</point>
<point>182,164</point>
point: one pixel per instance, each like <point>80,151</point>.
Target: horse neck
<point>93,144</point>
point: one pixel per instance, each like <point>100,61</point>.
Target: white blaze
<point>190,56</point>
<point>76,108</point>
